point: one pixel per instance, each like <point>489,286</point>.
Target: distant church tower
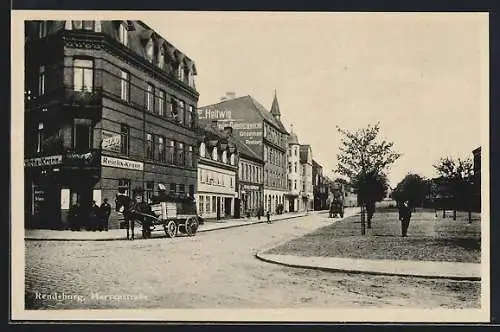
<point>275,108</point>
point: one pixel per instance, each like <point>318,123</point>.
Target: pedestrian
<point>74,216</point>
<point>268,216</point>
<point>105,213</point>
<point>142,208</point>
<point>94,216</point>
<point>404,216</point>
<point>258,213</point>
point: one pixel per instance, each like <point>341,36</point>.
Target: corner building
<point>262,132</point>
<point>109,105</point>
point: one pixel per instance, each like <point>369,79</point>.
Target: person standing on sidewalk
<point>268,216</point>
<point>404,216</point>
<point>105,213</point>
<point>94,216</point>
<point>74,216</point>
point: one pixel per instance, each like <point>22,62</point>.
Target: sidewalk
<point>121,234</point>
<point>425,269</point>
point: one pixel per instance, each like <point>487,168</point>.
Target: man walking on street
<point>404,216</point>
<point>105,213</point>
<point>268,216</point>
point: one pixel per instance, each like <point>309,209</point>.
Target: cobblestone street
<point>216,270</point>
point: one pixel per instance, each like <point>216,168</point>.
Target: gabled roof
<point>246,103</point>
<point>244,150</point>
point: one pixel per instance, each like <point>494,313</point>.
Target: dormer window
<point>224,157</point>
<point>161,57</point>
<point>191,78</point>
<point>202,150</point>
<point>232,159</point>
<point>214,154</point>
<point>180,73</point>
<point>83,25</point>
<point>123,34</point>
<point>150,50</point>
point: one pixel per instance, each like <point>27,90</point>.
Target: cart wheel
<point>170,229</point>
<point>191,226</point>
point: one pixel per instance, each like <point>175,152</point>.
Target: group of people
<point>92,218</point>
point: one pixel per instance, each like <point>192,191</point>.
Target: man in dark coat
<point>74,216</point>
<point>140,207</point>
<point>105,213</point>
<point>405,216</point>
<point>94,216</point>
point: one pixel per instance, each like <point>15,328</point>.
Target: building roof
<point>275,107</point>
<point>316,164</point>
<point>246,103</point>
<point>245,151</point>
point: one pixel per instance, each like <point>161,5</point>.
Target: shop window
<point>124,186</point>
<point>42,78</point>
<point>214,204</point>
<point>207,206</point>
<point>149,98</point>
<point>149,191</point>
<point>149,146</point>
<point>83,75</point>
<point>201,205</point>
<point>123,34</point>
<point>124,139</point>
<point>125,85</point>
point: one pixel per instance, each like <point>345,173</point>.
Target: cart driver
<point>142,208</point>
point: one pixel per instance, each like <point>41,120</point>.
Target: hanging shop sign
<point>81,159</point>
<point>250,187</point>
<point>43,161</point>
<point>122,163</point>
<point>111,141</point>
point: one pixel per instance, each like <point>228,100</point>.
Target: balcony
<point>87,98</point>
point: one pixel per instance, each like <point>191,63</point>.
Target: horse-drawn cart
<point>175,217</point>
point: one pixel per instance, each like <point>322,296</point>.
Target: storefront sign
<point>250,187</point>
<point>81,159</point>
<point>122,163</point>
<point>111,141</point>
<point>43,161</point>
<point>213,114</point>
<point>38,199</point>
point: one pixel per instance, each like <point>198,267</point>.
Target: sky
<point>419,75</point>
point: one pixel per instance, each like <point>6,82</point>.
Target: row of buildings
<point>113,105</point>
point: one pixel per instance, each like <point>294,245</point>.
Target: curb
<point>159,237</point>
<point>333,269</point>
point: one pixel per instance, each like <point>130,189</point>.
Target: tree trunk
<point>363,230</point>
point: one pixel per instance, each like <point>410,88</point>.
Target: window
<point>182,188</point>
<point>83,25</point>
<point>161,57</point>
<point>201,205</point>
<point>294,184</point>
<point>214,154</point>
<point>191,78</point>
<point>296,150</point>
<point>123,34</point>
<point>224,157</point>
<point>207,207</point>
<point>39,138</point>
<point>202,150</point>
<point>149,191</point>
<point>289,184</point>
<point>175,110</point>
<point>41,81</point>
<point>161,148</point>
<point>170,152</point>
<point>83,75</point>
<point>189,157</point>
<point>214,204</point>
<point>233,159</point>
<point>180,155</point>
<point>231,181</point>
<point>295,167</point>
<point>180,72</point>
<point>161,102</point>
<point>265,152</point>
<point>82,139</point>
<point>191,190</point>
<point>289,167</point>
<point>149,50</point>
<point>149,146</point>
<point>125,85</point>
<point>172,188</point>
<point>124,139</point>
<point>304,186</point>
<point>43,29</point>
<point>190,117</point>
<point>124,185</point>
<point>181,111</point>
<point>149,98</point>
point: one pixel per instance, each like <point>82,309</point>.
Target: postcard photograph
<point>250,166</point>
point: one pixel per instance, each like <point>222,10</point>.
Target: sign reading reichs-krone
<point>121,163</point>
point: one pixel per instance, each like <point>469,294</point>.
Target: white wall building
<point>294,174</point>
<point>307,190</point>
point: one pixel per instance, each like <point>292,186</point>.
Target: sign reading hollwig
<point>122,163</point>
<point>43,161</point>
